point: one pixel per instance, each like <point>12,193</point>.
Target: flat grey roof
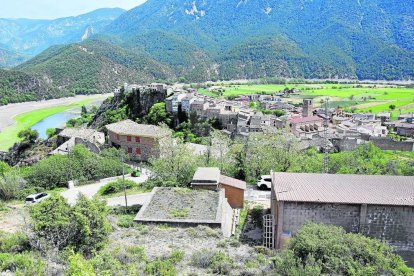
<point>347,189</point>
<point>206,175</point>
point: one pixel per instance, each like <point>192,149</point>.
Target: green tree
<point>92,224</point>
<point>392,106</point>
<point>50,132</point>
<point>52,224</point>
<point>28,135</point>
<point>175,165</point>
<point>158,115</point>
<point>55,224</point>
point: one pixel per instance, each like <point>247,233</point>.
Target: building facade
<point>381,207</point>
<point>141,142</point>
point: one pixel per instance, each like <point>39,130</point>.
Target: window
<point>138,151</point>
<point>138,139</point>
<point>129,138</point>
<point>117,137</point>
<point>129,150</point>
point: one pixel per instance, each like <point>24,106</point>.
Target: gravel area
<point>159,241</point>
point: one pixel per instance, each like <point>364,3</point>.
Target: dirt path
<point>8,112</point>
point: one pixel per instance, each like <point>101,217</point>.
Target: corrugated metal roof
<point>348,189</point>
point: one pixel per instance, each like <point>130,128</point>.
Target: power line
<point>325,167</point>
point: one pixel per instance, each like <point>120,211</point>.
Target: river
<point>54,121</point>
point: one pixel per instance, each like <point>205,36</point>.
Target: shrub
<point>221,263</point>
<point>10,186</point>
<point>84,227</point>
<point>202,259</point>
<point>330,250</point>
<point>136,173</point>
<point>126,221</point>
<point>176,256</point>
<point>21,264</point>
<point>160,268</point>
<point>13,243</point>
<point>116,187</point>
<point>78,266</point>
<point>257,216</point>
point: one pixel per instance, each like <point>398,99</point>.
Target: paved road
<point>90,190</point>
<point>252,193</point>
<point>139,199</point>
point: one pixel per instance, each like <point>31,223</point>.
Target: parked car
<point>32,199</point>
<point>264,182</point>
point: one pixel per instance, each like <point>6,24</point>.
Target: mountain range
<point>29,37</point>
<point>201,40</point>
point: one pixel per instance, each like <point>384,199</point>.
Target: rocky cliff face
<point>132,105</point>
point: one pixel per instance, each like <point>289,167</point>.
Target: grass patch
<point>179,213</point>
<point>26,120</point>
<point>116,188</point>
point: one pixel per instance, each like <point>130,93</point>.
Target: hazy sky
<point>50,9</point>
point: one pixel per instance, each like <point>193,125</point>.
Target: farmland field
<point>360,98</point>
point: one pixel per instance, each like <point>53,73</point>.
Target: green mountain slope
<point>344,39</point>
<point>94,66</point>
<point>20,87</point>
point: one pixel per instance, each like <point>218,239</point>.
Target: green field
<point>361,98</point>
<point>23,121</point>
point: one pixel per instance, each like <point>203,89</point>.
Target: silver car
<point>35,198</point>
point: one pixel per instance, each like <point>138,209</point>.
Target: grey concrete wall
<point>392,224</point>
<point>296,214</point>
<point>389,144</point>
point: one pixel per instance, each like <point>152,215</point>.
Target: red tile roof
<point>310,119</point>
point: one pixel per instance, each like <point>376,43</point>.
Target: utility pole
<point>325,167</point>
<point>123,182</point>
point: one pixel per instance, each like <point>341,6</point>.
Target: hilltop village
<point>256,180</point>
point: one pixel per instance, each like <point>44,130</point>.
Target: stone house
<point>381,207</point>
<point>404,129</point>
<point>140,141</point>
<point>305,127</point>
<point>69,137</point>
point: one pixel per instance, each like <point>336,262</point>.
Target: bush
<point>160,268</point>
<point>136,173</point>
<point>116,187</point>
<point>176,256</point>
<point>330,250</point>
<point>13,243</point>
<point>80,164</point>
<point>21,264</point>
<point>202,259</point>
<point>221,263</point>
<point>84,227</point>
<point>10,186</point>
<point>126,221</point>
<point>78,266</point>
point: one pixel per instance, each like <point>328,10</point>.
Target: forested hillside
<point>320,38</point>
<point>94,67</point>
<point>20,87</point>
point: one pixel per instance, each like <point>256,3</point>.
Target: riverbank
<point>16,117</point>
